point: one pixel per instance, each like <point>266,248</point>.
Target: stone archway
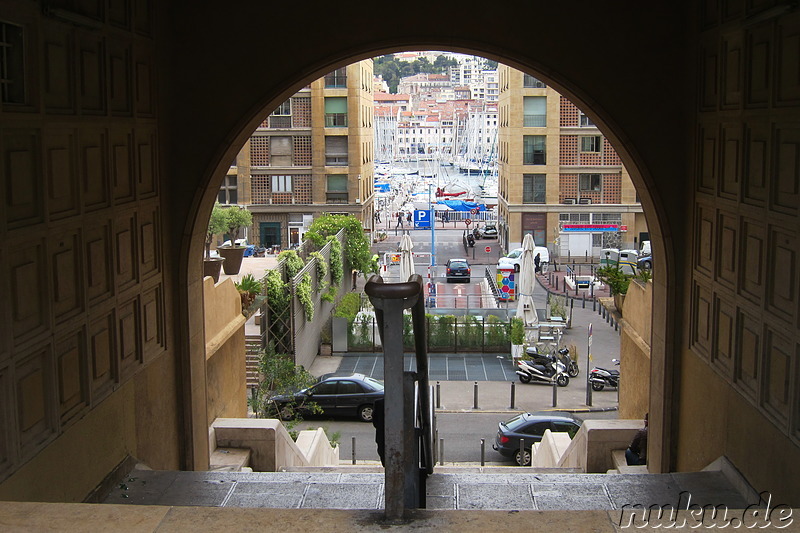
<point>623,143</point>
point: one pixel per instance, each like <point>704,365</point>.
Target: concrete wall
<point>225,351</point>
<point>634,392</point>
<point>590,449</point>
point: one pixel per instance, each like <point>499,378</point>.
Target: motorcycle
<point>553,371</point>
<point>470,240</point>
<point>600,377</point>
<point>562,355</point>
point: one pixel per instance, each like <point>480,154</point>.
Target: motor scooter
<point>533,354</point>
<point>600,377</point>
<point>553,371</point>
<point>470,240</point>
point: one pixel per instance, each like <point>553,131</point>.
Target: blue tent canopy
<point>461,205</point>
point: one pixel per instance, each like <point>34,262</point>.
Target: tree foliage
<point>357,247</point>
<point>393,69</point>
<point>236,218</point>
<point>294,263</point>
<point>217,223</point>
<point>280,377</point>
<point>614,278</point>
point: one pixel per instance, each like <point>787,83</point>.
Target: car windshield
<point>458,264</point>
<point>514,254</point>
<point>376,384</point>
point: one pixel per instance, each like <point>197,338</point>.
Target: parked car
<point>645,262</point>
<point>530,427</point>
<point>488,231</point>
<point>515,256</point>
<point>350,395</point>
<point>457,269</point>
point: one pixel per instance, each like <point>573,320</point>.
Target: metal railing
<point>408,416</point>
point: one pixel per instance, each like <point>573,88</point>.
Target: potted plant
<point>236,217</point>
<point>617,281</point>
<point>517,338</point>
<point>249,288</point>
<point>216,225</point>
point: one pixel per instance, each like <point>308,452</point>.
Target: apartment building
<point>558,176</point>
<point>313,154</point>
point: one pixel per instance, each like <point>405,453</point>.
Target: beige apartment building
<point>559,177</point>
<point>312,155</point>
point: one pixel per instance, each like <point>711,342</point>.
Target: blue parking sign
<point>422,218</point>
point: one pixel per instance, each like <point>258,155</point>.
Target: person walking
<point>536,263</point>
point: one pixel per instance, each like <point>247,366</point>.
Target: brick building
<point>312,154</point>
<point>557,172</point>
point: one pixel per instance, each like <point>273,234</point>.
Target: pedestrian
<point>636,454</point>
<point>536,261</point>
<point>399,219</point>
<point>408,217</point>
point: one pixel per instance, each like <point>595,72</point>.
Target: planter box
<point>233,258</point>
<point>212,267</point>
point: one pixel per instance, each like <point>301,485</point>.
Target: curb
<point>506,411</point>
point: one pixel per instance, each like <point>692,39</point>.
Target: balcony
<point>534,121</point>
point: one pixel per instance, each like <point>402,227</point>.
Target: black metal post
<point>513,394</point>
<point>353,449</point>
<point>475,396</point>
<point>555,393</point>
<point>483,452</point>
<point>438,395</point>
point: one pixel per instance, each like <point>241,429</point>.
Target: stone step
<point>464,489</point>
<point>229,459</point>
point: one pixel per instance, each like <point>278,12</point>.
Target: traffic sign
<point>488,249</point>
<point>474,210</point>
<point>467,221</point>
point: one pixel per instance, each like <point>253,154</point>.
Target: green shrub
<point>348,306</point>
<point>517,331</point>
<point>336,265</point>
<point>614,278</point>
<point>304,295</point>
<point>293,262</point>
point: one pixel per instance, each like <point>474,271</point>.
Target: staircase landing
<point>462,491</point>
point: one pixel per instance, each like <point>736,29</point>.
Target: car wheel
<point>648,265</point>
<point>365,413</point>
<point>525,460</point>
<point>597,386</point>
<point>573,369</point>
<point>562,380</point>
<point>524,379</point>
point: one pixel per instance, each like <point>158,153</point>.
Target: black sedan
<point>352,395</point>
<point>530,427</point>
<point>457,269</point>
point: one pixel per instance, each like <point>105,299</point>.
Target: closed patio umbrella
<point>406,259</point>
<point>525,284</point>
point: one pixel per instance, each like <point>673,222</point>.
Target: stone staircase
<point>469,488</point>
<point>252,345</point>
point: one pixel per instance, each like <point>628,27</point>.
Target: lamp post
<point>433,229</point>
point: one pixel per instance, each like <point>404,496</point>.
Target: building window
<point>284,110</point>
<point>589,182</point>
<point>533,150</point>
<point>591,144</point>
<point>335,112</point>
<point>228,192</point>
<point>281,184</point>
<point>337,78</point>
<point>12,64</point>
<point>534,111</point>
<point>530,82</point>
<point>534,188</point>
<point>336,151</point>
<point>585,121</point>
<point>280,151</point>
<point>336,192</point>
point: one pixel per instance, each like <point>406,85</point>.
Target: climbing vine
<point>304,295</point>
<point>294,263</point>
<point>337,269</point>
<point>321,267</point>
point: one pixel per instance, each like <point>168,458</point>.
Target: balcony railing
<point>337,198</point>
<point>335,120</point>
<point>534,121</point>
<point>336,160</point>
<point>336,80</point>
